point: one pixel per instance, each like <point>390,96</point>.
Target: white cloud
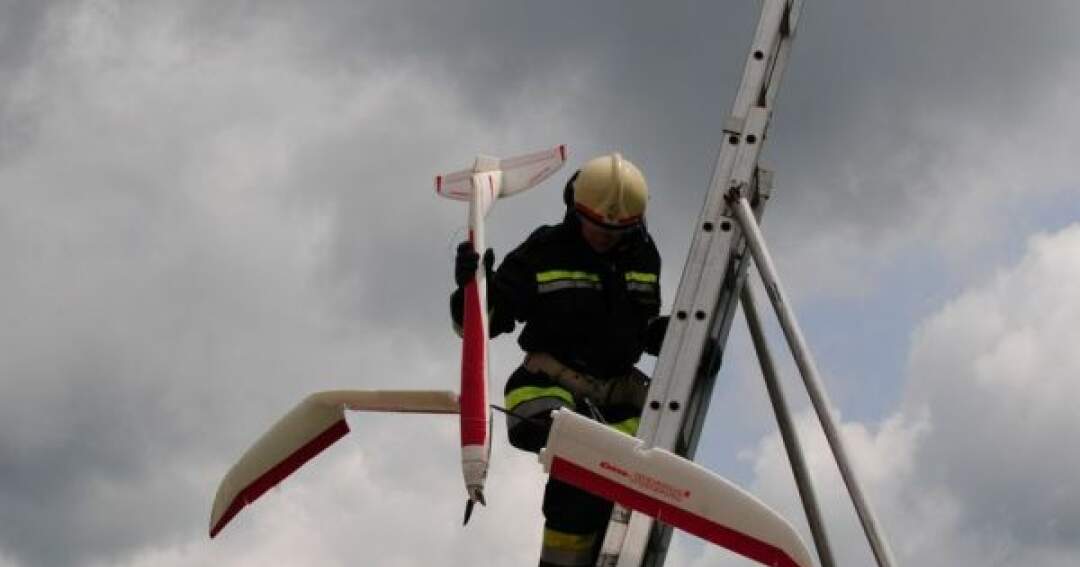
<point>369,501</point>
<point>976,468</point>
<point>997,369</point>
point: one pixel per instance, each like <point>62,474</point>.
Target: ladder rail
<point>700,306</point>
<point>686,442</point>
<point>716,236</point>
<point>712,281</point>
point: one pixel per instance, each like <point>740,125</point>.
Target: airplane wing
<point>312,426</point>
<point>678,492</point>
<point>525,171</point>
<point>518,173</point>
<point>456,185</point>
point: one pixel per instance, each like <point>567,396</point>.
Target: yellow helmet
<point>611,191</point>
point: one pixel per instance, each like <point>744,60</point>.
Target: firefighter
<point>588,293</point>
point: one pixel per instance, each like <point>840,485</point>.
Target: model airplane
<point>319,421</point>
<point>606,462</point>
<point>488,180</point>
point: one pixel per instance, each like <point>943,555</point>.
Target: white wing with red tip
<point>523,172</point>
<point>678,492</point>
<point>456,185</point>
<point>313,425</point>
<point>517,173</point>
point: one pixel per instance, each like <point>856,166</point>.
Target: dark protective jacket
<point>591,311</point>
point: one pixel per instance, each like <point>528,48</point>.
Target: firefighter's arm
<point>654,334</point>
<point>512,291</point>
<point>656,328</point>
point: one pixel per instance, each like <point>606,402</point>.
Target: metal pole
<point>787,429</point>
<point>808,370</point>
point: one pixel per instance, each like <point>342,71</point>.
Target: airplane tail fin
<point>518,173</point>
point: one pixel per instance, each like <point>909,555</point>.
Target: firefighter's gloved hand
<point>654,334</point>
<point>466,262</point>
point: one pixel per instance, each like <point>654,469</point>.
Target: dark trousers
<point>572,516</point>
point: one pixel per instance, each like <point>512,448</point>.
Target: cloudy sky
<point>210,209</point>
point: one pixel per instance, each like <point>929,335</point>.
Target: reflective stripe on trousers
<point>567,550</point>
<point>627,426</point>
<point>524,394</point>
<point>532,401</point>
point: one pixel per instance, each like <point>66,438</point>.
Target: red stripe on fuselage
<point>474,424</point>
<point>704,528</point>
<point>281,470</point>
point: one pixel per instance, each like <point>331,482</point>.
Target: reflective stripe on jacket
<point>589,310</point>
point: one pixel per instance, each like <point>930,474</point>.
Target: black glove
<point>467,260</point>
<point>654,334</point>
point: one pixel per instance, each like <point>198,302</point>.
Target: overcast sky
<point>210,209</point>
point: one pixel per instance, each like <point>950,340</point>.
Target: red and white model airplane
<point>488,180</point>
<point>319,421</point>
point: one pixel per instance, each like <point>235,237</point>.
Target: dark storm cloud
<point>21,24</point>
<point>663,75</point>
<point>868,117</point>
<point>648,81</point>
<point>879,91</point>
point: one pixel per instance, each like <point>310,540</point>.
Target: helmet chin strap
<point>568,191</point>
<point>570,215</point>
